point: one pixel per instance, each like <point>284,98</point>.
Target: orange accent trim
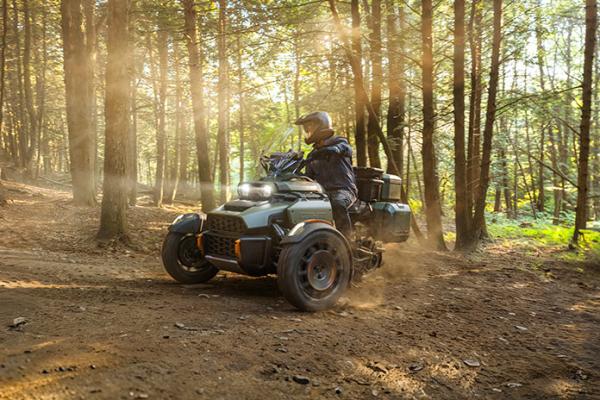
<point>310,221</point>
<point>238,250</point>
<point>200,243</point>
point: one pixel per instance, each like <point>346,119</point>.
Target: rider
<point>330,164</point>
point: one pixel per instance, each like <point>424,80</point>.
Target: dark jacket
<point>331,165</point>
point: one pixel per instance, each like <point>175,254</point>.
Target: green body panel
<point>255,217</point>
<point>391,222</point>
<point>299,186</point>
<point>258,216</point>
<point>292,184</point>
<point>310,209</point>
<point>298,211</point>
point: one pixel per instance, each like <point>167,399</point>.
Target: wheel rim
<point>320,270</point>
<point>189,255</point>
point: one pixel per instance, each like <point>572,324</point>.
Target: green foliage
<point>540,235</point>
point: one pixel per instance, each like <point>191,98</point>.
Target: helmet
<point>317,126</point>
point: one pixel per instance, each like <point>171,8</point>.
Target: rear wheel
<point>315,272</point>
<point>184,261</point>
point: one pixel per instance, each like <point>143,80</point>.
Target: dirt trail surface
<point>108,323</point>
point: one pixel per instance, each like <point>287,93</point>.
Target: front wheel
<point>184,261</point>
<point>315,272</point>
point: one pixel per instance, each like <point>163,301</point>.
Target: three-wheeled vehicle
<point>282,224</point>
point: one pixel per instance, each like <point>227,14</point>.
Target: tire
<point>183,261</point>
<point>314,273</point>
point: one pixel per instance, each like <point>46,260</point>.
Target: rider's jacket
<point>330,165</point>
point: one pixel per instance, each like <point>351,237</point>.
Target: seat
<point>359,209</point>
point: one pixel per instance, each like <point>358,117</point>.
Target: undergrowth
<point>540,234</point>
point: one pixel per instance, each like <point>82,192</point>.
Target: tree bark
<point>506,184</point>
<point>23,137</point>
<point>359,85</point>
<point>161,140</point>
<point>196,89</point>
<point>223,109</point>
<point>541,198</point>
<point>172,184</point>
<point>488,132</point>
<point>433,212</point>
<point>297,66</point>
<point>377,75</point>
<point>359,100</point>
<point>113,218</point>
<point>396,83</point>
<point>132,158</point>
<point>241,106</point>
<point>3,58</point>
<point>462,219</point>
<point>586,114</point>
<point>474,129</point>
<point>40,87</point>
<point>32,131</point>
<point>78,103</point>
<point>557,192</point>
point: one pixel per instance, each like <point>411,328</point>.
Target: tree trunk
<point>377,75</point>
<point>488,132</point>
<point>79,103</point>
<point>23,138</point>
<point>297,66</point>
<point>113,219</point>
<point>541,198</point>
<point>433,212</point>
<point>183,150</point>
<point>241,105</point>
<point>91,45</point>
<point>498,199</point>
<point>586,114</point>
<point>40,87</point>
<point>530,162</point>
<point>396,84</point>
<point>460,168</point>
<point>359,84</point>
<point>474,129</point>
<point>173,172</point>
<point>557,192</point>
<point>506,184</point>
<point>408,139</point>
<point>132,157</point>
<point>223,90</point>
<point>3,58</point>
<point>32,131</point>
<point>161,140</point>
<point>595,181</point>
<point>196,89</point>
<point>359,100</point>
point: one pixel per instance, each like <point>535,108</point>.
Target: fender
<point>188,223</point>
<point>303,229</point>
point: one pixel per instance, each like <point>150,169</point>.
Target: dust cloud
<point>401,266</point>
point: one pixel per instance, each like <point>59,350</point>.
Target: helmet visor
<point>309,128</point>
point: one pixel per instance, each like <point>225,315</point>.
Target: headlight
<point>249,191</point>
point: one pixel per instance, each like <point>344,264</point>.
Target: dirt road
<point>107,323</point>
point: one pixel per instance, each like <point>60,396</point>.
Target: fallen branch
<point>54,182</point>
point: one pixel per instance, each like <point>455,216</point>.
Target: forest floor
<point>108,323</point>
